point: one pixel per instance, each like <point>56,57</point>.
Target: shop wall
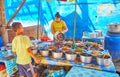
<point>29,31</point>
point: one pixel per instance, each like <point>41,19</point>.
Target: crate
<point>11,66</point>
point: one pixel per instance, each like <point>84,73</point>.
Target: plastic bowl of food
<point>51,48</point>
<point>96,53</point>
<point>79,50</point>
<point>65,49</point>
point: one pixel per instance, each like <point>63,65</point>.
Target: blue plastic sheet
<point>91,14</point>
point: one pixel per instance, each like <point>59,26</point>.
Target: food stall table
<point>63,62</point>
<point>83,72</point>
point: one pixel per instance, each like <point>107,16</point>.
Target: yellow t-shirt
<point>19,45</point>
<point>58,26</point>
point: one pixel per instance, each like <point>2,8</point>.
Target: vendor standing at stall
<point>58,25</point>
<point>21,46</point>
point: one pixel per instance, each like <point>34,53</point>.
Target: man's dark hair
<point>57,15</point>
<point>15,25</point>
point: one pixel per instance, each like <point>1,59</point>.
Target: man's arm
<point>14,53</point>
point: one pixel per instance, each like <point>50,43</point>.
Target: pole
<point>38,26</point>
<point>74,32</point>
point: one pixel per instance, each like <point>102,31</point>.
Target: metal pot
<point>85,58</point>
<point>114,27</point>
<point>93,35</point>
<point>99,33</point>
<point>103,61</point>
<point>45,53</point>
<point>71,56</point>
<point>57,55</point>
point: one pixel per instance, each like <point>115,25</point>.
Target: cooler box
<point>112,44</point>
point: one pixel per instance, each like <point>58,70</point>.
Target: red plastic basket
<point>44,38</point>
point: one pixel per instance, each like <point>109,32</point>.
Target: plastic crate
<point>11,66</point>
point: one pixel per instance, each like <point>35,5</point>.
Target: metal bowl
<point>99,33</point>
<point>57,55</point>
<point>114,27</point>
<point>85,58</point>
<point>103,61</point>
<point>93,35</point>
<point>45,53</point>
<point>71,56</point>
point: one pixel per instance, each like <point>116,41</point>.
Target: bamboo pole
<point>38,26</point>
<point>74,32</point>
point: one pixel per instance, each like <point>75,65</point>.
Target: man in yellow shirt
<point>58,25</point>
<point>21,47</point>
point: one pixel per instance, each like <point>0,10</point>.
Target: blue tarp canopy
<point>91,14</point>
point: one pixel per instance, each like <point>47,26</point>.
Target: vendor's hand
<point>62,32</point>
<point>37,60</point>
